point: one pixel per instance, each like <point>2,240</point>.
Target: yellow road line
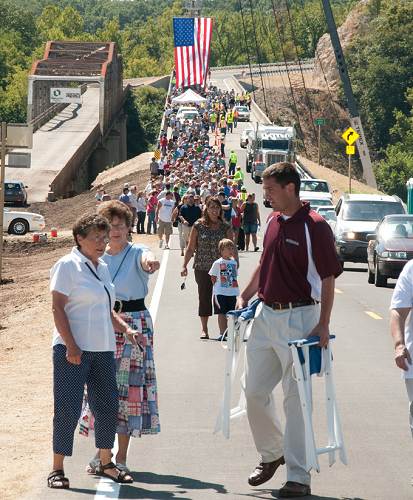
<point>373,315</point>
<point>337,290</point>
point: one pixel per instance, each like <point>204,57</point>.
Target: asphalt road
<point>187,461</point>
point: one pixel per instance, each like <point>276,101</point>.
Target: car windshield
<point>12,186</point>
<point>397,228</point>
<point>370,210</point>
<point>189,115</point>
<point>319,203</point>
<point>316,186</point>
<point>275,144</point>
<point>243,109</point>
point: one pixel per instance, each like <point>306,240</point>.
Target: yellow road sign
<point>157,154</point>
<point>350,136</point>
<point>351,150</point>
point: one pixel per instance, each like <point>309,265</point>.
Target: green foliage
<point>381,63</point>
<point>396,168</point>
<point>144,107</point>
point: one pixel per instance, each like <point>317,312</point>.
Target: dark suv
<point>15,193</point>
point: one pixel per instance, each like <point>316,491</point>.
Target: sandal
<point>204,336</point>
<point>93,465</point>
<point>122,467</point>
<point>120,478</point>
<point>57,480</point>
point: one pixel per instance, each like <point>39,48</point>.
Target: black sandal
<point>57,480</point>
<point>121,477</point>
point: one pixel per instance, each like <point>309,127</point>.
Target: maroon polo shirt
<point>286,274</point>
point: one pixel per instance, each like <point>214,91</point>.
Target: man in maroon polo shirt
<point>295,280</point>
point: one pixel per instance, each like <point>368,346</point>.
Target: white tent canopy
<point>189,96</point>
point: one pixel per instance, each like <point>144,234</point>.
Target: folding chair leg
<point>306,406</point>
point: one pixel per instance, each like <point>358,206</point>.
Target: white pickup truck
<point>20,223</point>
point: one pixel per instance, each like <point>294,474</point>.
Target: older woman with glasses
<point>205,235</point>
<point>83,297</point>
<point>129,267</point>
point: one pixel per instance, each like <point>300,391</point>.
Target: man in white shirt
<point>164,218</point>
<point>401,328</point>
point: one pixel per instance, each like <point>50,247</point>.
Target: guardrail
<point>265,65</point>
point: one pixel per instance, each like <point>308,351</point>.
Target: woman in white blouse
<point>83,347</point>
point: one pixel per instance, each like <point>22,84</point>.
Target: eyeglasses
<point>98,239</point>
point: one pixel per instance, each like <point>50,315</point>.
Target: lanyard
<point>120,265</point>
<point>97,277</point>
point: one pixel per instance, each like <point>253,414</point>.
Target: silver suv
<point>358,216</point>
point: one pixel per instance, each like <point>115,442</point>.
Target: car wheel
<point>379,279</point>
<point>19,227</point>
<point>257,179</point>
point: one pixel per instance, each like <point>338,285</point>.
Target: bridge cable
<point>273,72</point>
<point>258,57</point>
<point>244,31</point>
<point>300,66</point>
<point>295,107</point>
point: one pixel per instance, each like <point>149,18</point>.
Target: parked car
<point>316,186</point>
<point>257,170</point>
<point>243,113</point>
<point>20,223</point>
<point>389,248</point>
<point>187,113</point>
<point>15,192</point>
<point>358,216</point>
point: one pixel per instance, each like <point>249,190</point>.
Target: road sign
<point>157,154</point>
<point>66,95</point>
<point>18,160</point>
<point>350,150</point>
<point>320,122</point>
<point>350,136</point>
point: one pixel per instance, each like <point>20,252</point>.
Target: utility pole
<point>348,91</point>
<point>2,176</point>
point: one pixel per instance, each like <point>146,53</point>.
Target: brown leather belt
<point>278,306</point>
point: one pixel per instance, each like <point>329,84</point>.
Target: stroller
<point>308,359</point>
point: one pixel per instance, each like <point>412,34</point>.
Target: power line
<point>246,47</point>
<point>258,57</point>
<point>301,69</point>
<point>295,107</point>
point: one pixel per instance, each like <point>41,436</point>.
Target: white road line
<point>226,84</point>
<point>106,488</point>
<point>373,315</point>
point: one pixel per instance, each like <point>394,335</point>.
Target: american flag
<point>192,42</point>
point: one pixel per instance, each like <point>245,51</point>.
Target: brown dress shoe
<point>264,471</point>
<point>292,490</point>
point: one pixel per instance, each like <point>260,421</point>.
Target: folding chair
<point>308,359</point>
<point>239,323</point>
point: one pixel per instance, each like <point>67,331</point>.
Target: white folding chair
<point>308,360</point>
<point>239,325</point>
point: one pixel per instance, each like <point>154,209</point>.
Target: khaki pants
<point>183,231</point>
<point>269,362</point>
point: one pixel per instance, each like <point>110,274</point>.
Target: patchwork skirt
<point>136,378</point>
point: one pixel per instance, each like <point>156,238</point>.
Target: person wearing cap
<point>239,176</point>
<point>243,194</point>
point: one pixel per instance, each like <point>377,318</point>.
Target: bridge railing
<point>163,127</point>
<point>304,62</point>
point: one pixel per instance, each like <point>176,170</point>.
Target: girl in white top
<point>83,343</point>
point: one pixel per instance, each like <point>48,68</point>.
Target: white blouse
<point>88,309</point>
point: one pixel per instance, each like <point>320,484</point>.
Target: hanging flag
<point>192,42</point>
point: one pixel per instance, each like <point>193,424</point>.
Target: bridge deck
<point>56,142</point>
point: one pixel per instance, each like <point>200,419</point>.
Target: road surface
<point>186,461</point>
